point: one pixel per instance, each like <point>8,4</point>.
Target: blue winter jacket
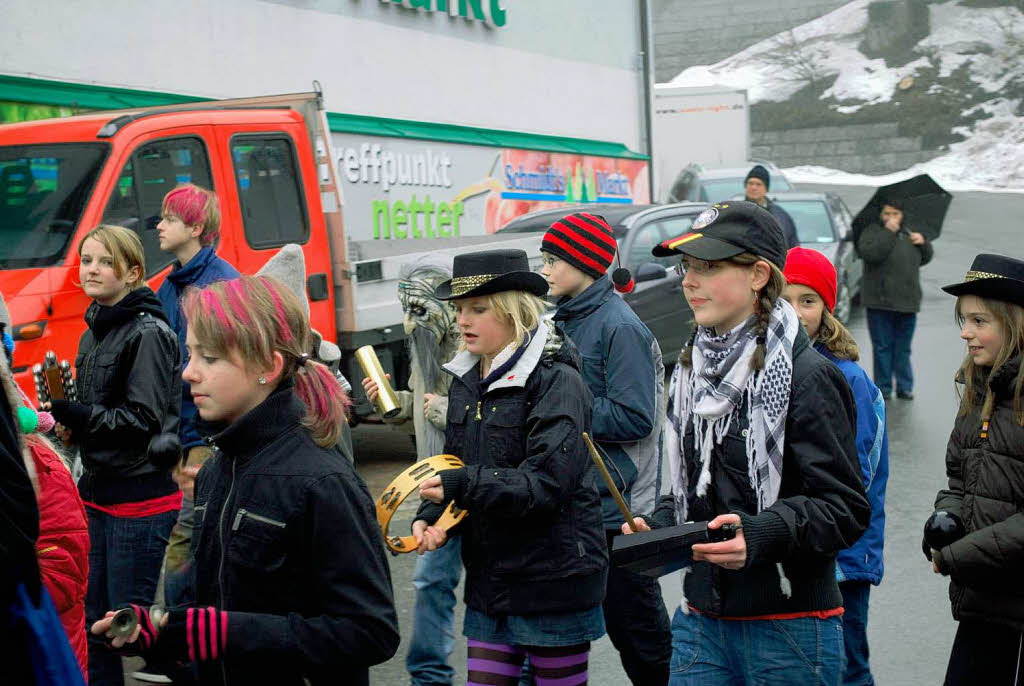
<point>863,560</point>
<point>619,369</point>
<point>203,269</point>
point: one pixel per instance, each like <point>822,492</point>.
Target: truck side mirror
<point>650,271</point>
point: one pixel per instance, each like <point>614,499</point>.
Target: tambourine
<point>409,482</point>
<point>53,380</point>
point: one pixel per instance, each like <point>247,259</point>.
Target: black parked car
<point>658,297</point>
<point>823,223</point>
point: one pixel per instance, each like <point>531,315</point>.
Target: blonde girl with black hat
<point>533,544</point>
<point>759,434</point>
<point>985,469</point>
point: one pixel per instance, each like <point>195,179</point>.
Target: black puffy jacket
<point>821,508</point>
<point>287,542</point>
<point>986,489</point>
<point>128,373</point>
<point>533,542</point>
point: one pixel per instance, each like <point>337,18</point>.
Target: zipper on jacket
<point>478,403</point>
<point>220,569</point>
<point>243,513</point>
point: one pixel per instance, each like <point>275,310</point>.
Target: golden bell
<point>387,401</point>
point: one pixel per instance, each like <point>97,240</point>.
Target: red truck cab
<point>59,178</point>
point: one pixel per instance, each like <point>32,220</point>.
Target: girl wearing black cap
<point>985,467</point>
<point>760,434</point>
<point>533,544</point>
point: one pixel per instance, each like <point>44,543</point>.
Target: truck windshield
<point>43,190</point>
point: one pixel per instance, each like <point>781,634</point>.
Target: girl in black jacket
<point>985,467</point>
<point>129,388</point>
<point>291,583</point>
<point>533,543</point>
<point>760,435</point>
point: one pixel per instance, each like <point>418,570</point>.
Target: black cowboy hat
<point>491,271</point>
<point>992,276</point>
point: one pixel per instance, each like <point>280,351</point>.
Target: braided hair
<point>763,306</point>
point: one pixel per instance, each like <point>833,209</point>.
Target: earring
<point>262,381</point>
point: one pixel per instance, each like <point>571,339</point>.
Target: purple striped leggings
<point>499,664</point>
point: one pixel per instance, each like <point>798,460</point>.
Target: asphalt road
<point>910,626</point>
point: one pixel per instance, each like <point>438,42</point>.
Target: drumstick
<point>623,508</point>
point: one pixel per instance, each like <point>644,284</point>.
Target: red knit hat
<point>806,267</point>
<point>587,242</point>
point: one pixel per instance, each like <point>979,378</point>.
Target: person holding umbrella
<point>893,255</point>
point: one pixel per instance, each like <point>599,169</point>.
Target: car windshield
<point>813,224</point>
<point>43,191</point>
<point>717,190</point>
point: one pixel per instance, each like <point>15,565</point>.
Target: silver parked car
<point>824,223</point>
<point>703,183</point>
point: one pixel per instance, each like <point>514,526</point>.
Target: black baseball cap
<point>728,229</point>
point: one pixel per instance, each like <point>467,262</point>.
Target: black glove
<point>198,634</point>
<point>164,450</point>
<point>194,635</point>
<point>72,414</point>
<point>147,634</point>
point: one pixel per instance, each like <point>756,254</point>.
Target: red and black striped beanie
<point>583,240</point>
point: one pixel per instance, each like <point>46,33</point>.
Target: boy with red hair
<point>189,228</point>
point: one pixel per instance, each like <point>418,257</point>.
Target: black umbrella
<point>924,206</point>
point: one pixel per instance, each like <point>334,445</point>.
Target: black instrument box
<point>662,551</point>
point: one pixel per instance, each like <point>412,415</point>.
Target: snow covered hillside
<point>979,51</point>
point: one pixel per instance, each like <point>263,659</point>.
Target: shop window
<point>269,191</point>
<point>154,169</point>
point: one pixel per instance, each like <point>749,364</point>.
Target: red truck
<point>269,160</point>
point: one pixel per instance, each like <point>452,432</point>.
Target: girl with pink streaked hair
<point>290,579</point>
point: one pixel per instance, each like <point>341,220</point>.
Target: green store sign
<point>490,12</point>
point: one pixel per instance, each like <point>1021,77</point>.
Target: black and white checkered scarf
<point>710,393</point>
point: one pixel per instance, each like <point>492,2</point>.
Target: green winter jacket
<point>892,269</point>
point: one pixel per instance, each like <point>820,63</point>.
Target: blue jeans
<point>891,334</point>
<point>433,626</point>
<point>771,652</point>
<point>856,671</point>
<point>178,569</point>
<point>124,564</point>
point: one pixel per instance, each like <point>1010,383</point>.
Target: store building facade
<point>448,117</point>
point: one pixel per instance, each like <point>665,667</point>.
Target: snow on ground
<point>991,159</point>
<point>765,69</point>
<point>989,40</point>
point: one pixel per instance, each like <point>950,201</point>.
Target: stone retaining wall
<point>858,148</point>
